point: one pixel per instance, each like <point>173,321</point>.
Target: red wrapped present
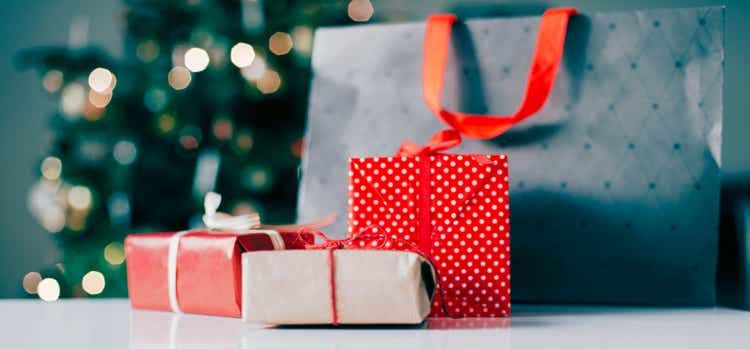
<point>453,207</point>
<point>199,271</point>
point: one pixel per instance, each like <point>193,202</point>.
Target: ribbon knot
<point>441,140</point>
<point>215,220</point>
<point>372,241</point>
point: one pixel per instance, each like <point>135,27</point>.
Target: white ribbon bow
<point>215,220</point>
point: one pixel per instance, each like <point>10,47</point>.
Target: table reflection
<point>151,329</point>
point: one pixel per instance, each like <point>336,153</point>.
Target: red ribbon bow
<point>368,239</point>
<point>441,140</point>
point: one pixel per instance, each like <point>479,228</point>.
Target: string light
<point>280,43</point>
<point>101,79</point>
<point>147,51</point>
<point>297,147</point>
<point>360,10</point>
<point>196,59</point>
<point>31,282</point>
<point>73,99</point>
<point>76,220</point>
<point>179,78</point>
<point>166,123</point>
<point>254,71</point>
<point>257,179</point>
<point>93,282</point>
<point>79,197</point>
<point>270,82</point>
<point>242,55</point>
<point>52,81</point>
<point>99,100</point>
<point>244,141</point>
<point>51,168</point>
<point>178,55</point>
<point>156,99</point>
<point>125,152</point>
<point>53,220</point>
<point>303,40</point>
<point>114,253</point>
<point>48,290</point>
<point>223,128</point>
<point>190,137</point>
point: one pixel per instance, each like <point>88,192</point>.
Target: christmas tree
<point>210,96</point>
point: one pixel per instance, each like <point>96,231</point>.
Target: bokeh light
<point>125,152</point>
<point>48,290</point>
<point>73,99</point>
<point>93,282</point>
<point>242,55</point>
<point>190,137</point>
<point>51,168</point>
<point>31,282</point>
<point>99,99</point>
<point>156,99</point>
<point>147,51</point>
<point>254,71</point>
<point>79,197</point>
<point>280,43</point>
<point>114,253</point>
<point>244,141</point>
<point>270,82</point>
<point>179,78</point>
<point>360,10</point>
<point>303,39</point>
<point>52,81</point>
<point>196,59</point>
<point>166,123</point>
<point>101,79</point>
<point>223,128</point>
<point>257,178</point>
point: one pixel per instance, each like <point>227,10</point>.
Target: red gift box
<point>206,276</point>
<point>454,208</point>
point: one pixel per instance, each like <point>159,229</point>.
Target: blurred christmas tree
<point>210,96</point>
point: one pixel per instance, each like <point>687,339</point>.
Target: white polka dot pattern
<point>469,214</point>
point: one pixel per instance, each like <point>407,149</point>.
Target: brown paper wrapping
<point>372,287</point>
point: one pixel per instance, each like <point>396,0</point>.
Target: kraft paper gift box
<point>369,287</point>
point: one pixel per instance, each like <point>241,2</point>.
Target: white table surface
<point>112,324</point>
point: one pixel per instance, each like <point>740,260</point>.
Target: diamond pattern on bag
<point>614,184</point>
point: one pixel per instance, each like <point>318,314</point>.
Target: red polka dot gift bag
<point>454,207</point>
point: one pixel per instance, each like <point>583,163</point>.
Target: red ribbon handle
<point>544,65</point>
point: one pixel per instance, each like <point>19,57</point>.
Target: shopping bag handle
<point>544,65</point>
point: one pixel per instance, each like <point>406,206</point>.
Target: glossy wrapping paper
<point>371,287</point>
<point>208,270</point>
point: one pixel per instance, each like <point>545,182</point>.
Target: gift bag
<point>453,208</point>
<point>614,162</point>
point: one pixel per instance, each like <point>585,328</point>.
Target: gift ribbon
<point>219,222</point>
<point>442,140</point>
<point>544,65</point>
<point>367,238</point>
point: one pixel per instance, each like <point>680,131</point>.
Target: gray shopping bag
<point>614,183</point>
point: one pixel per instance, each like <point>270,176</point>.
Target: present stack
<point>428,235</point>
